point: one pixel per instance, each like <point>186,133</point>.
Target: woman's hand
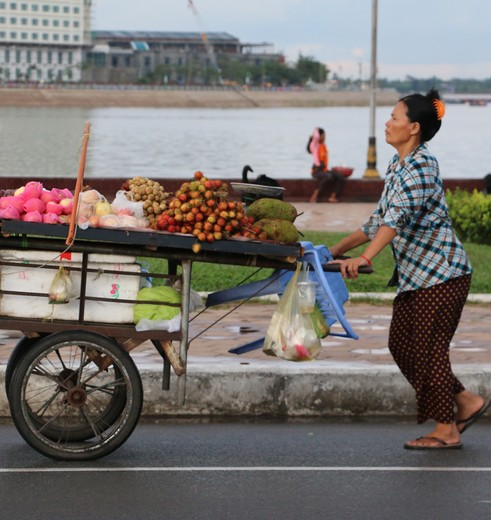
<point>349,266</point>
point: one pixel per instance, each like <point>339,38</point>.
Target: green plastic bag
<point>150,311</point>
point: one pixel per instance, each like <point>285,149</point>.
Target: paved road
<point>262,470</point>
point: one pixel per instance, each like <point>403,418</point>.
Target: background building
<point>173,57</point>
<point>51,41</point>
<point>43,40</point>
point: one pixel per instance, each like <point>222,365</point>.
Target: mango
<point>278,230</point>
<point>271,208</point>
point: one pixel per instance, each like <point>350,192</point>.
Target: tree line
<point>299,74</point>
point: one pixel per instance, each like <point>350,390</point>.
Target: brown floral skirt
<point>423,324</point>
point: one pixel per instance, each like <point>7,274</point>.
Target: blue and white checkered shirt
<point>426,250</point>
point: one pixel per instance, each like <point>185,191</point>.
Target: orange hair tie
<point>439,107</point>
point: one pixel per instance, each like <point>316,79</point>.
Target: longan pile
<point>151,193</point>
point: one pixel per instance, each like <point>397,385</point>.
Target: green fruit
<point>278,230</point>
<point>271,208</point>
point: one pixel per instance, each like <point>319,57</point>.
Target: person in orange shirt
<point>324,177</point>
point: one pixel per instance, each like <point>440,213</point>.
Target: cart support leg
<point>183,349</point>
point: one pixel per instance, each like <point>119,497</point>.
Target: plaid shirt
<point>426,250</point>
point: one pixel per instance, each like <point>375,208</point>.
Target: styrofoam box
<point>48,256</point>
<point>99,284</point>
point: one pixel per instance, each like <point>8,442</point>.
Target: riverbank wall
<point>186,98</point>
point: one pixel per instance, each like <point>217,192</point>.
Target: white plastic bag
<point>122,204</point>
<point>291,334</point>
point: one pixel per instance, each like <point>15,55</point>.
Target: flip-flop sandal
<point>440,445</point>
<point>474,417</point>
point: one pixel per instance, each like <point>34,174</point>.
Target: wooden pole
<point>78,185</point>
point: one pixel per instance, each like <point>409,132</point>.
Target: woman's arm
<point>350,266</point>
<point>348,243</point>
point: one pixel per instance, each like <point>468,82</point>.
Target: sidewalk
<point>350,377</point>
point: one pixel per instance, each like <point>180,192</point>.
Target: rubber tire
<point>17,352</point>
<point>73,443</point>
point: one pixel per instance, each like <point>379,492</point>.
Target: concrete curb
<point>285,390</point>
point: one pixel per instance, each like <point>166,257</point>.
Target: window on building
<point>66,38</point>
<point>24,7</point>
<point>45,22</point>
<point>13,5</point>
<point>60,57</point>
<point>70,57</point>
<point>56,23</point>
<point>127,61</point>
<point>66,23</point>
<point>35,36</point>
<point>7,55</point>
<point>17,56</point>
<point>39,75</point>
<point>13,20</point>
<point>56,9</point>
<point>45,8</point>
<point>18,74</point>
<point>45,36</point>
<point>114,61</point>
<point>50,57</point>
<point>2,5</point>
<point>56,37</point>
<point>23,36</point>
<point>66,9</point>
<point>39,57</point>
<point>76,10</point>
<point>50,75</point>
<point>2,34</point>
<point>59,75</point>
<point>13,35</point>
<point>76,38</point>
<point>2,19</point>
<point>24,21</point>
<point>34,7</point>
<point>76,24</point>
<point>34,21</point>
<point>28,56</point>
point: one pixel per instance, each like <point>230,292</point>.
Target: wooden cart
<point>73,389</point>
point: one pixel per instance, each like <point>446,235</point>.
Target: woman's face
<point>398,129</point>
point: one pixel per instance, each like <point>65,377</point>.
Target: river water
<point>159,143</point>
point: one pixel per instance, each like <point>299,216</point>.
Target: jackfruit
<point>278,230</point>
<point>271,208</point>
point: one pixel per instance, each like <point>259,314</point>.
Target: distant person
<point>326,179</point>
<point>432,272</point>
<point>487,182</point>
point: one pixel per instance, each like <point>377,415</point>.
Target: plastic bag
<point>60,290</point>
<point>158,311</point>
<point>291,334</point>
<point>121,204</point>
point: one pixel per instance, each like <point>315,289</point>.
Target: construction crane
<point>208,46</point>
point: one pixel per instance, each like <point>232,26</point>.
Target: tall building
<point>43,40</point>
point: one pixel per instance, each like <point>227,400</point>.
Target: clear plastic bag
<point>60,290</point>
<point>291,334</point>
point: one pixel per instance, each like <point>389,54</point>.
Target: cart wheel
<point>75,395</point>
<point>22,345</point>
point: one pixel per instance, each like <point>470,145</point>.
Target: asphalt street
<point>254,470</point>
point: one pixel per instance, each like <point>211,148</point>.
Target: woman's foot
<point>469,408</point>
<point>332,199</point>
<point>444,436</point>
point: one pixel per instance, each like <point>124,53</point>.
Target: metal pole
<point>371,171</point>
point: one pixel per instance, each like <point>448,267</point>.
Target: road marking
<point>245,469</point>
